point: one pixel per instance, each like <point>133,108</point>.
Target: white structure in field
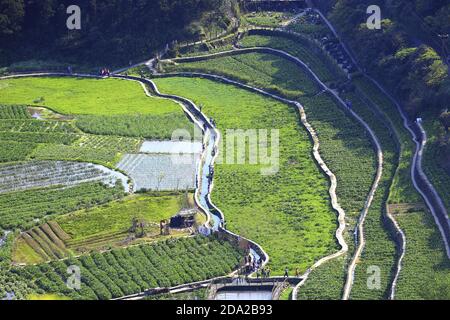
<point>163,165</point>
<point>39,174</point>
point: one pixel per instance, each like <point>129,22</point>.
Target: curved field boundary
<point>317,157</point>
<point>378,149</point>
<point>420,180</point>
<point>401,240</point>
<point>192,110</point>
<point>401,237</point>
<point>200,118</point>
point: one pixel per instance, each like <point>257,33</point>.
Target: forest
<point>407,53</point>
<point>112,31</point>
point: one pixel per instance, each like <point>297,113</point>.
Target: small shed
<point>184,219</point>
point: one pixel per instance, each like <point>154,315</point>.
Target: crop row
<point>128,271</point>
<point>258,69</point>
<point>287,212</point>
<point>20,209</point>
<point>157,127</point>
<point>312,56</point>
<point>116,143</point>
<point>74,153</point>
<point>15,151</point>
<point>43,174</point>
<point>31,137</point>
<point>37,126</point>
<point>347,151</point>
<point>14,112</point>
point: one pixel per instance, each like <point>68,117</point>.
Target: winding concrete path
<point>420,180</point>
<point>209,130</point>
<point>317,157</point>
<point>377,146</point>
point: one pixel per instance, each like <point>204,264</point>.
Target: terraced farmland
<point>38,174</point>
<point>99,228</point>
<point>161,172</point>
<point>122,272</point>
<point>89,180</point>
<point>292,216</point>
<point>23,209</point>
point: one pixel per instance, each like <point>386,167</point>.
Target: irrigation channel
<point>377,146</point>
<point>3,239</point>
<point>215,218</point>
<point>420,180</point>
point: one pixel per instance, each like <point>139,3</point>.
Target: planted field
<point>287,213</point>
<point>28,139</point>
<point>326,282</point>
<point>123,272</point>
<point>22,209</point>
<point>14,112</point>
<point>84,96</point>
<point>258,69</point>
<point>108,142</point>
<point>425,274</point>
<point>38,245</point>
<point>266,19</point>
<point>403,190</point>
<point>161,172</point>
<point>116,218</point>
<point>39,174</point>
<point>98,228</point>
<point>347,151</point>
<point>15,151</point>
<point>380,249</point>
<point>159,127</point>
<point>301,48</point>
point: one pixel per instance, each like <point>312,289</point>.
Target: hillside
<point>113,32</point>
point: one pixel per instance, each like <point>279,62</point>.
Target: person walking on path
<point>286,272</point>
<point>268,272</point>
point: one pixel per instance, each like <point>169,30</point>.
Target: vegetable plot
<point>133,270</point>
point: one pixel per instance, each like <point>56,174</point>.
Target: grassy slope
<point>258,69</point>
<point>288,213</point>
<point>116,217</point>
<point>84,96</point>
<point>90,227</point>
<point>344,147</point>
<point>402,190</point>
<point>438,176</point>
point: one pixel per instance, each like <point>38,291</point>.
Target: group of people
<point>264,273</point>
<point>105,72</point>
